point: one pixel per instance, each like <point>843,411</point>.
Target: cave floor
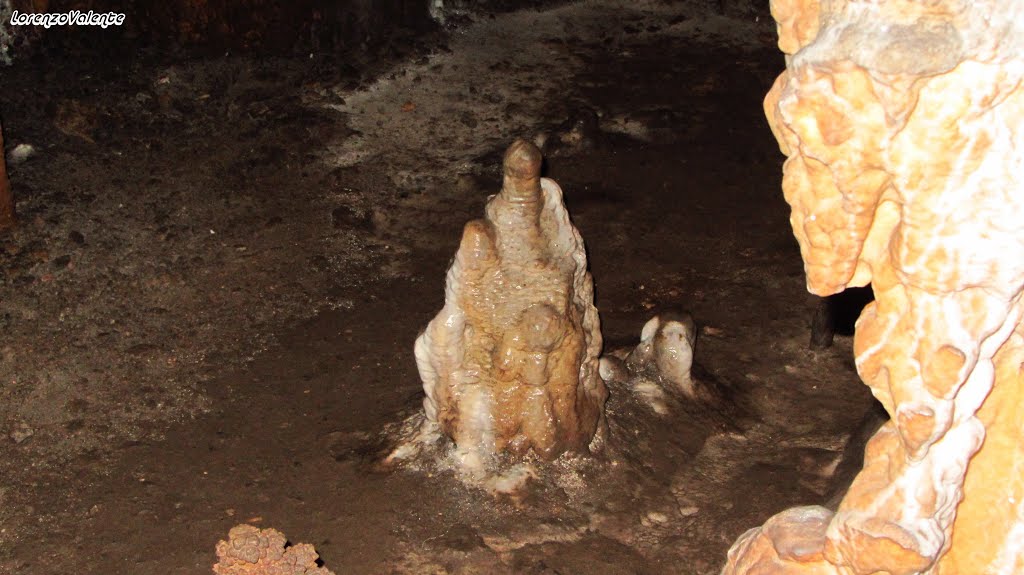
<point>209,306</point>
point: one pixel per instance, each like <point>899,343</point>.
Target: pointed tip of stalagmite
<point>523,160</point>
<point>522,172</point>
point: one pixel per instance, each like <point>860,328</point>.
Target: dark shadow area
<point>837,315</point>
<point>853,455</point>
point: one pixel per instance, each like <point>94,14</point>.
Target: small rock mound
<point>253,551</point>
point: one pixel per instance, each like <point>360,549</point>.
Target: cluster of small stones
<point>253,551</point>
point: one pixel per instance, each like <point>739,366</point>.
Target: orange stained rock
<point>253,551</point>
<point>901,124</point>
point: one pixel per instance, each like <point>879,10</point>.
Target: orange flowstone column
<point>510,364</point>
<point>903,123</point>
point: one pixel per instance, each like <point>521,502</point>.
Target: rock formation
<point>253,551</point>
<point>6,197</point>
<point>659,370</point>
<point>665,351</point>
<point>510,364</point>
<point>902,121</point>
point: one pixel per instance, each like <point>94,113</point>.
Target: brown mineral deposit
<point>510,364</point>
<point>902,124</point>
<point>6,197</point>
<point>253,551</point>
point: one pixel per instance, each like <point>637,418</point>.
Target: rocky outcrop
<point>665,352</point>
<point>659,371</point>
<point>253,551</point>
<point>510,364</point>
<point>902,124</point>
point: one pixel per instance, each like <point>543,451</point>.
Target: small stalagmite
<point>666,351</point>
<point>903,124</point>
<point>659,371</point>
<point>510,364</point>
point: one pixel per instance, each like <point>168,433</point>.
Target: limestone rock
<point>659,371</point>
<point>253,551</point>
<point>902,121</point>
<point>792,542</point>
<point>665,351</point>
<point>510,364</point>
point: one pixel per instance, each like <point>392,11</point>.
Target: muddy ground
<point>208,308</point>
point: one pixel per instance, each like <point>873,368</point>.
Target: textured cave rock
<point>510,364</point>
<point>659,371</point>
<point>6,196</point>
<point>666,351</point>
<point>253,551</point>
<point>902,126</point>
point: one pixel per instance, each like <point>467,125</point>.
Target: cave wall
<point>902,122</point>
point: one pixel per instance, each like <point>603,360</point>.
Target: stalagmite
<point>904,126</point>
<point>510,364</point>
<point>666,351</point>
<point>659,370</point>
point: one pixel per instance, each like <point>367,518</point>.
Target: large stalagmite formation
<point>904,126</point>
<point>510,364</point>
